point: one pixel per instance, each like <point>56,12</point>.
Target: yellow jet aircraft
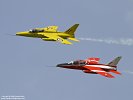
<point>51,33</point>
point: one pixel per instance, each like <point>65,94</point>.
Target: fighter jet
<point>92,66</point>
<point>51,33</point>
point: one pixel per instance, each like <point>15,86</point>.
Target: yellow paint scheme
<point>51,33</point>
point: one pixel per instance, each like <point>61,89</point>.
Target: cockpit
<point>36,30</point>
<point>77,62</point>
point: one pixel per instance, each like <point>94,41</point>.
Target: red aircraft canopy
<point>92,60</point>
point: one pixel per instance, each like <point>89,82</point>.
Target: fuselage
<point>84,66</point>
<point>51,33</point>
<point>42,34</point>
<point>92,66</point>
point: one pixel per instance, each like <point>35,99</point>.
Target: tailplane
<point>114,62</point>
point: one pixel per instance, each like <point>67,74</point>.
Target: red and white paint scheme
<point>92,66</point>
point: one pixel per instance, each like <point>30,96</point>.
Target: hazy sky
<point>24,61</point>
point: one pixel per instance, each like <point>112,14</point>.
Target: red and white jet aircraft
<point>92,66</point>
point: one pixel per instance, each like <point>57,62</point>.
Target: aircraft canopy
<point>36,30</point>
<point>78,62</point>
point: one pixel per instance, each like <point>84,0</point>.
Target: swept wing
<point>99,71</point>
<point>57,38</point>
<point>51,28</point>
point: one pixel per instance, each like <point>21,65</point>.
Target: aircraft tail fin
<point>114,62</point>
<point>72,29</point>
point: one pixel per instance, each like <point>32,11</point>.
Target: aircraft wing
<point>57,38</point>
<point>93,60</point>
<point>99,71</point>
<point>51,28</point>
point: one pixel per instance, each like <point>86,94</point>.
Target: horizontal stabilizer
<point>74,39</point>
<point>106,74</point>
<point>116,72</point>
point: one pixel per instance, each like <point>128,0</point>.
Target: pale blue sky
<point>24,61</point>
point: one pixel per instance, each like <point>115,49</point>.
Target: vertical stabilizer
<point>72,29</point>
<point>114,62</point>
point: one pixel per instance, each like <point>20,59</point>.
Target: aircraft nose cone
<point>21,33</point>
<point>17,33</point>
<point>61,65</point>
